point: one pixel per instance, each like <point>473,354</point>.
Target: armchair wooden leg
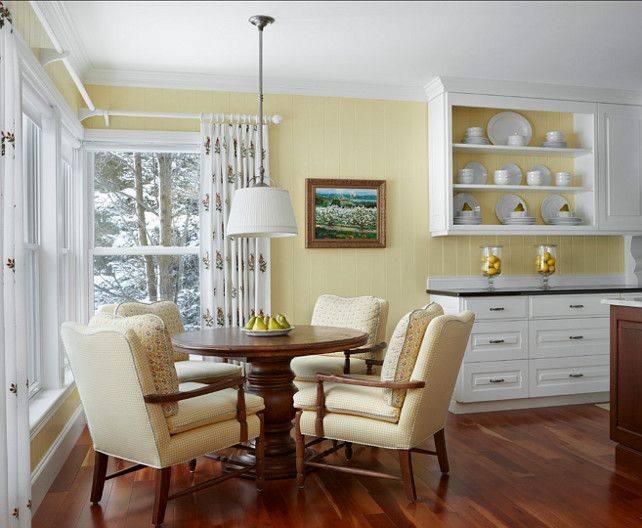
<point>100,471</point>
<point>192,465</point>
<point>300,451</point>
<point>405,461</point>
<point>348,450</point>
<point>260,454</point>
<point>163,477</point>
<point>440,447</point>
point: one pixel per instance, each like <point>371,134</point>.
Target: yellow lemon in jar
<point>491,271</point>
<point>497,265</point>
<point>551,262</point>
<point>547,255</point>
<point>551,269</point>
<point>492,259</point>
<point>543,268</point>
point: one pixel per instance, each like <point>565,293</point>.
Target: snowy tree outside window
<point>146,229</point>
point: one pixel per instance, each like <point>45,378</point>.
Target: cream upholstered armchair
<point>401,410</point>
<point>199,371</point>
<point>136,410</point>
<point>368,314</point>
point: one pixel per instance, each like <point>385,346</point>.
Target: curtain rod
<point>275,119</point>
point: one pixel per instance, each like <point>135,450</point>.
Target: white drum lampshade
<point>261,211</point>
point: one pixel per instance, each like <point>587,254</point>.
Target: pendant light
<point>260,210</point>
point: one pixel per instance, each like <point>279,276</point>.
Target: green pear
<point>259,324</point>
<point>283,321</point>
<point>266,320</point>
<point>250,324</point>
<point>274,324</point>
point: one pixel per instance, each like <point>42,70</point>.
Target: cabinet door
<point>620,167</point>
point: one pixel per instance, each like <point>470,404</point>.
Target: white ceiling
<point>337,45</point>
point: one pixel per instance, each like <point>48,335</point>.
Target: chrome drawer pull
<point>576,337</point>
<point>498,380</point>
<point>497,309</point>
<point>576,306</point>
<point>576,375</point>
<point>495,341</point>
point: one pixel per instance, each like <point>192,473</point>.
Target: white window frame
<point>129,141</point>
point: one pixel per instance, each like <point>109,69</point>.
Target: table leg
<point>271,378</point>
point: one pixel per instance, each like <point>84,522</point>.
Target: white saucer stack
<point>475,136</point>
<point>554,139</point>
<point>466,218</point>
<point>520,220</point>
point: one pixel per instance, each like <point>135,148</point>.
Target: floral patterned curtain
<point>235,274</point>
<point>15,477</point>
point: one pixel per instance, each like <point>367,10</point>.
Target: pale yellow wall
<point>47,435</point>
<point>27,24</point>
<point>326,137</point>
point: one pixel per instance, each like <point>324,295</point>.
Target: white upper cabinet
<point>603,154</point>
<point>620,154</point>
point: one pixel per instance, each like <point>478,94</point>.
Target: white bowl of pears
<point>267,326</point>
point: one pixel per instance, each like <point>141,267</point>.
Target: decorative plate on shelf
<point>465,198</point>
<point>267,333</point>
<point>480,175</point>
<point>505,124</point>
<point>507,204</point>
<point>514,172</point>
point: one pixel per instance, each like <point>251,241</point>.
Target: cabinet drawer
<point>497,341</point>
<point>542,306</point>
<point>568,337</point>
<point>498,307</point>
<point>496,380</point>
<point>559,376</point>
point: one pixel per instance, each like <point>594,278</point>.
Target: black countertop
<point>532,290</point>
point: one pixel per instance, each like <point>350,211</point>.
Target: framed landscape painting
<point>345,213</point>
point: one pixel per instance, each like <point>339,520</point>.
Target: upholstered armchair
<point>368,314</point>
<point>401,410</point>
<point>136,410</point>
<point>198,371</point>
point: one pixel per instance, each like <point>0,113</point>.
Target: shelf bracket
<point>85,113</point>
<point>48,55</point>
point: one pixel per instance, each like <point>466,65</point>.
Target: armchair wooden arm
<point>226,383</point>
<point>346,380</point>
<point>365,350</point>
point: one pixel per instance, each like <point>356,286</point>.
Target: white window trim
<point>127,141</point>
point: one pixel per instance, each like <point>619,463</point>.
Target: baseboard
<point>527,403</point>
<point>48,468</point>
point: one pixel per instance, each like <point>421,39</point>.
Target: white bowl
<point>534,178</point>
<point>563,179</point>
<point>554,135</point>
<point>564,214</point>
<point>466,176</point>
<point>474,131</point>
<point>501,177</point>
<point>516,140</point>
<point>468,213</point>
<point>517,214</point>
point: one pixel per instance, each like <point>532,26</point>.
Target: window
<point>146,228</point>
<point>32,170</point>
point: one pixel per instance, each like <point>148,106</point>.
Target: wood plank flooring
<point>537,468</point>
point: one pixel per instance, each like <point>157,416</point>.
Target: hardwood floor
<point>537,468</point>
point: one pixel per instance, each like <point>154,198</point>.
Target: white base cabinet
<point>532,347</point>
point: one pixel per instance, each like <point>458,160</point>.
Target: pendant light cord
<point>261,168</point>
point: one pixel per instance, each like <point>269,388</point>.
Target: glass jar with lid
<point>491,263</point>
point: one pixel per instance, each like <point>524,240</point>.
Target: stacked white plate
<point>506,205</point>
<point>551,211</point>
<point>475,136</point>
<point>459,200</point>
<point>554,139</point>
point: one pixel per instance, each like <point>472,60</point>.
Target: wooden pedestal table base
<point>271,377</point>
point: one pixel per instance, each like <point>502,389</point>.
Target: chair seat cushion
<point>204,371</point>
<point>355,400</point>
<point>209,409</point>
<point>305,368</point>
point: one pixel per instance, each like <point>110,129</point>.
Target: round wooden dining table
<point>270,376</point>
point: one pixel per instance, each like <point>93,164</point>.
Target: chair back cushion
<point>156,345</point>
<point>442,350</point>
<point>166,310</point>
<point>367,314</point>
<point>403,349</point>
<point>112,374</point>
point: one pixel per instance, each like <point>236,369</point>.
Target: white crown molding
<point>225,83</point>
<point>530,89</point>
<point>62,25</point>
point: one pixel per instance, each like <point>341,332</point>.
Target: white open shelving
<point>522,151</point>
<point>520,188</point>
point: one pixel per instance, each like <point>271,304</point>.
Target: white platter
<point>545,172</point>
<point>480,176</point>
<point>505,124</point>
<point>506,204</point>
<point>551,206</point>
<point>267,333</point>
<point>458,202</point>
<point>514,172</point>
